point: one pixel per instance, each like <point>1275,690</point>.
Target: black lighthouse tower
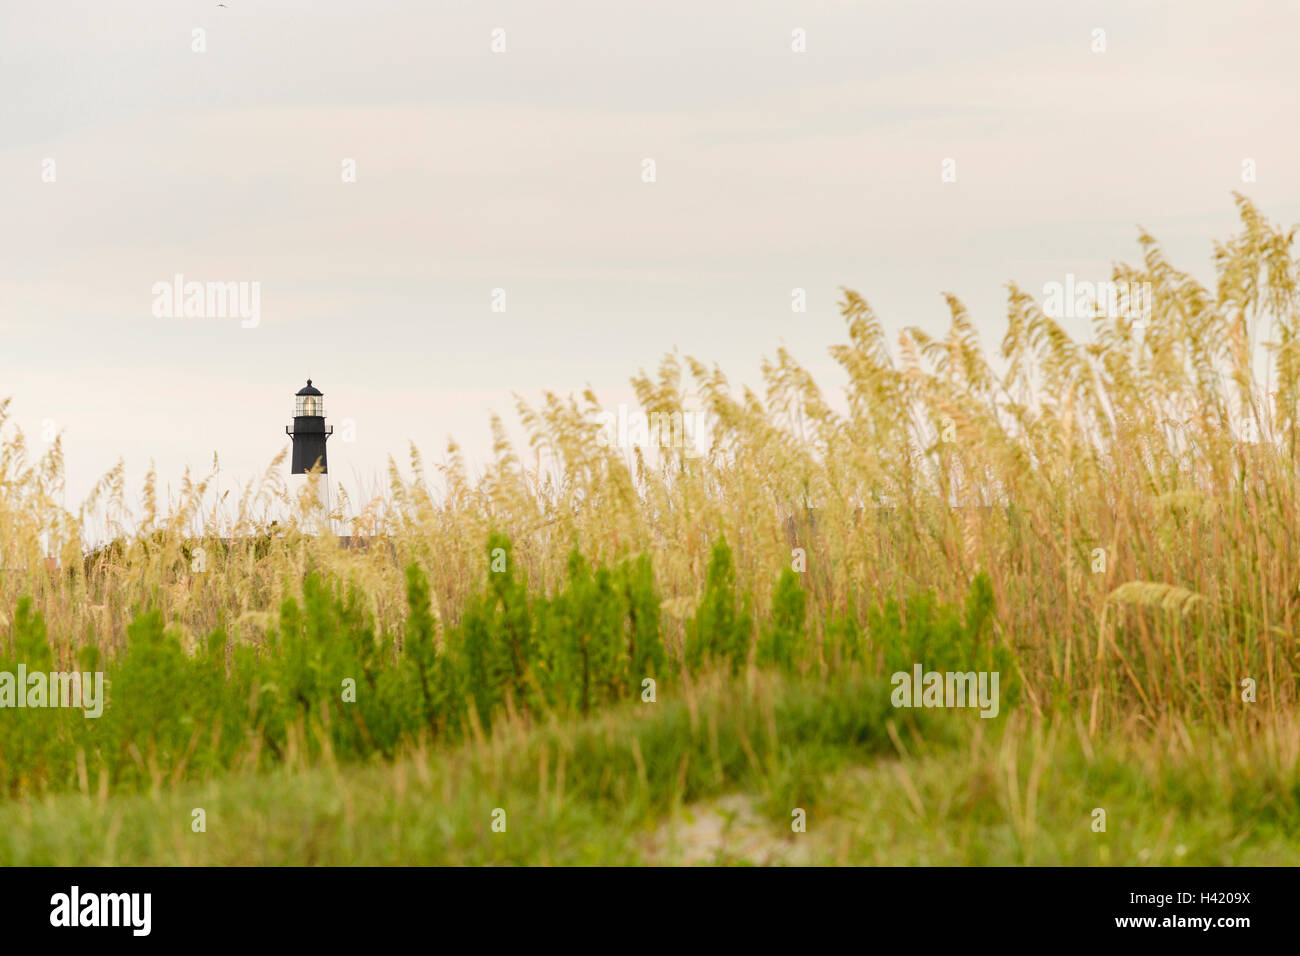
<point>309,432</point>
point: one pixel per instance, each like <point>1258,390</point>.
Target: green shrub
<point>785,637</point>
<point>720,631</point>
<point>178,713</point>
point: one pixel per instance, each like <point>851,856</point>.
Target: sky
<point>133,149</point>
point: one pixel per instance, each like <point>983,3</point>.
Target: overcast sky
<point>523,170</point>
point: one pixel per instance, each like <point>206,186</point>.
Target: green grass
<point>713,775</point>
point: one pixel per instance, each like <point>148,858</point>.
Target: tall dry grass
<point>1132,497</point>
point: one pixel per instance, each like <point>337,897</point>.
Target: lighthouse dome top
<point>310,389</point>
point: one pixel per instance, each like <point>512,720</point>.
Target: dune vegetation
<point>615,647</point>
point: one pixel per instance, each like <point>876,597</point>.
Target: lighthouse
<point>309,437</point>
<point>309,434</point>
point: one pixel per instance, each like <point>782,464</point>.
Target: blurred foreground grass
<point>713,776</point>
